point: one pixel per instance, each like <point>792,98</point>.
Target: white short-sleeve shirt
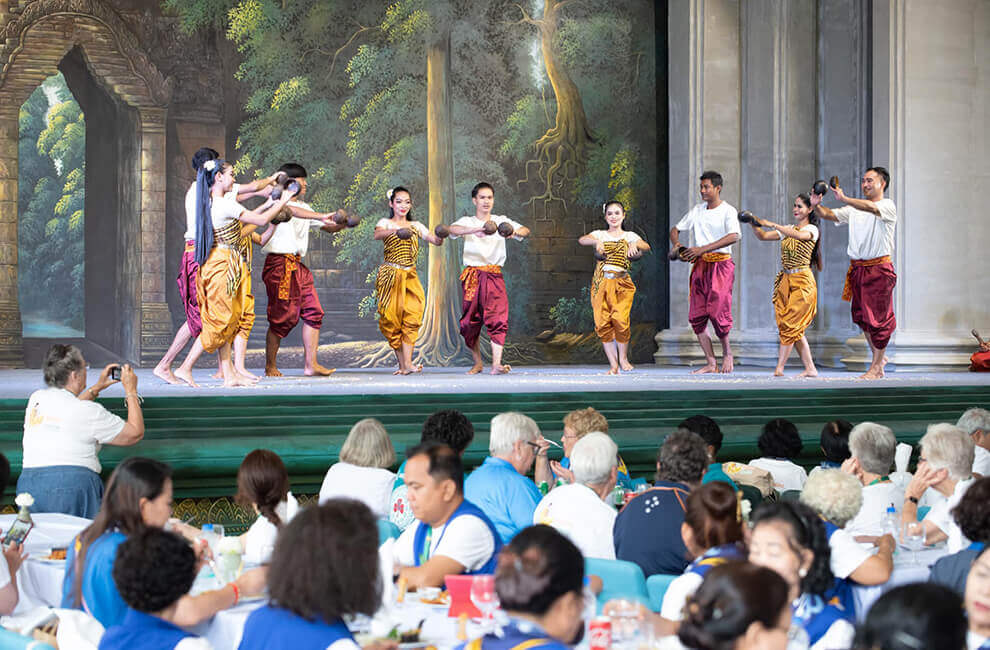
<point>61,429</point>
<point>370,485</point>
<point>812,228</point>
<point>388,224</point>
<point>876,499</point>
<point>847,554</point>
<point>292,237</point>
<point>465,539</point>
<point>484,250</point>
<point>259,540</point>
<point>981,461</point>
<point>191,208</point>
<point>786,475</point>
<point>224,209</point>
<point>604,236</point>
<point>680,589</point>
<point>941,516</point>
<point>870,236</point>
<point>581,515</point>
<point>707,226</point>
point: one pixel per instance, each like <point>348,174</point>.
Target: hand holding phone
<point>17,532</point>
<point>115,373</point>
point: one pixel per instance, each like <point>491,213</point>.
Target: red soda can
<point>600,633</point>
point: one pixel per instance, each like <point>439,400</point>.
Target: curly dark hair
<point>153,569</point>
<point>972,513</point>
<point>683,458</point>
<point>807,532</point>
<point>835,440</point>
<point>325,563</point>
<point>537,567</point>
<point>713,516</point>
<point>780,439</point>
<point>705,427</point>
<point>450,427</point>
<point>732,597</point>
<point>920,615</point>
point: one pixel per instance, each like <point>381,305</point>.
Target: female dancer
<point>400,295</point>
<point>612,290</point>
<point>223,282</point>
<point>795,294</point>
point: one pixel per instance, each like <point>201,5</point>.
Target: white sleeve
<point>384,223</point>
<point>103,425</point>
<point>259,541</point>
<point>4,573</point>
<point>840,635</point>
<point>467,541</point>
<point>677,594</point>
<point>194,643</point>
<point>813,229</point>
<point>686,221</point>
<point>232,194</point>
<point>631,237</point>
<point>846,554</point>
<point>731,220</point>
<point>515,224</point>
<point>344,644</point>
<point>403,552</point>
<point>888,210</point>
<point>597,235</point>
<point>230,208</point>
<point>842,214</point>
<point>423,231</point>
<point>939,516</point>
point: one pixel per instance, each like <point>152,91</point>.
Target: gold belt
<point>612,275</point>
<point>795,270</point>
<point>399,266</point>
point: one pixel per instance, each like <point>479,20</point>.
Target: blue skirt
<point>69,489</point>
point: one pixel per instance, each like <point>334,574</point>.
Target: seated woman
<point>577,424</point>
<point>834,442</point>
<point>779,443</point>
<point>153,570</point>
<point>789,537</point>
<point>918,615</point>
<point>977,602</point>
<point>872,447</point>
<point>738,606</point>
<point>325,567</point>
<point>363,470</point>
<point>539,582</point>
<point>263,486</point>
<point>138,496</point>
<point>972,515</point>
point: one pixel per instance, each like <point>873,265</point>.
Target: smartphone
<point>115,373</point>
<point>17,532</point>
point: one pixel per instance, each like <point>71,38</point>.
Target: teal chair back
<point>656,587</point>
<point>922,511</point>
<point>386,530</point>
<point>14,641</point>
<point>790,495</point>
<point>752,494</point>
<point>620,579</point>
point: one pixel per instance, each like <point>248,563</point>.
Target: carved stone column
<point>155,323</point>
<point>11,343</point>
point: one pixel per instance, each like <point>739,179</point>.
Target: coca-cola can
<point>600,633</point>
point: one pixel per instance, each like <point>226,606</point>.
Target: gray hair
<point>973,420</point>
<point>60,362</point>
<point>833,494</point>
<point>873,445</point>
<point>507,429</point>
<point>368,445</point>
<point>946,446</point>
<point>683,458</point>
<point>593,458</point>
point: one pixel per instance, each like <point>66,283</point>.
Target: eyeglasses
<point>532,444</point>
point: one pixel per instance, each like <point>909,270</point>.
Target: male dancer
<point>714,226</point>
<point>484,301</point>
<point>871,278</point>
<point>289,282</point>
<point>188,268</point>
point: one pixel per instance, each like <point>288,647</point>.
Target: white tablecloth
<point>905,572</point>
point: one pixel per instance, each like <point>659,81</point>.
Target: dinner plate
<point>48,560</point>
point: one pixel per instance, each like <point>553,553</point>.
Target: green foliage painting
<point>51,186</point>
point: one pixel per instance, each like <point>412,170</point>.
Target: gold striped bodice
<point>796,253</point>
<point>402,251</point>
<point>616,254</point>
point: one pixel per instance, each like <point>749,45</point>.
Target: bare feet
<point>318,371</point>
<point>186,376</point>
<point>400,371</point>
<point>778,372</point>
<point>475,369</point>
<point>501,370</point>
<point>246,373</point>
<point>238,380</point>
<point>418,367</point>
<point>873,373</point>
<point>272,371</point>
<point>704,370</point>
<point>727,363</point>
<point>809,372</point>
<point>165,374</point>
<point>625,365</point>
<point>217,375</point>
<point>614,370</point>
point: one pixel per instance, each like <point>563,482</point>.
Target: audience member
<point>977,603</point>
<point>500,486</point>
<point>13,556</point>
<point>913,617</point>
<point>976,422</point>
<point>739,606</point>
<point>872,447</point>
<point>577,424</point>
<point>789,537</point>
<point>945,464</point>
<point>263,486</point>
<point>834,443</point>
<point>154,569</point>
<point>451,535</point>
<point>450,427</point>
<point>710,432</point>
<point>779,443</point>
<point>539,582</point>
<point>362,472</point>
<point>648,529</point>
<point>580,510</point>
<point>325,567</point>
<point>972,515</point>
<point>64,429</point>
<point>138,497</point>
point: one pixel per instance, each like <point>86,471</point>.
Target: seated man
<point>976,422</point>
<point>648,530</point>
<point>579,509</point>
<point>153,570</point>
<point>710,432</point>
<point>872,447</point>
<point>451,535</point>
<point>945,464</point>
<point>500,486</point>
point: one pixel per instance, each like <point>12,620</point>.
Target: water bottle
<point>212,536</point>
<point>891,524</point>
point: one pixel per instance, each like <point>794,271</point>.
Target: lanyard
<point>879,479</point>
<point>424,555</point>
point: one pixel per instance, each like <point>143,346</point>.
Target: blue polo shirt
<point>100,596</point>
<point>716,473</point>
<point>507,497</point>
<point>141,630</point>
<point>647,531</point>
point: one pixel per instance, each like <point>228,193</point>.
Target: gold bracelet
<point>139,398</point>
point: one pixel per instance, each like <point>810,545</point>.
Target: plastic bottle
<point>891,524</point>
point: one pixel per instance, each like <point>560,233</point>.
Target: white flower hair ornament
<point>210,165</point>
<point>389,194</point>
<point>24,500</point>
<point>604,206</point>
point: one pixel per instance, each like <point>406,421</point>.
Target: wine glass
<point>483,595</point>
<point>914,538</point>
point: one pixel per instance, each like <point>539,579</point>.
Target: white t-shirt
<point>876,499</point>
<point>370,485</point>
<point>224,210</point>
<point>708,226</point>
<point>625,235</point>
<point>941,516</point>
<point>259,540</point>
<point>61,429</point>
<point>466,540</point>
<point>484,250</point>
<point>388,224</point>
<point>981,461</point>
<point>191,208</point>
<point>582,516</point>
<point>870,235</point>
<point>786,475</point>
<point>680,589</point>
<point>847,554</point>
<point>292,237</point>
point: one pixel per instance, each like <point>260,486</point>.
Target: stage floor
<point>16,384</point>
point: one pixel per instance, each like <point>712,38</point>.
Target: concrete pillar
<point>155,322</point>
<point>11,343</point>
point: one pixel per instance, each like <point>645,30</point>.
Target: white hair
<point>507,429</point>
<point>833,494</point>
<point>873,445</point>
<point>973,420</point>
<point>593,458</point>
<point>946,446</point>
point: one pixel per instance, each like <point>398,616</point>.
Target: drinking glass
<point>626,618</point>
<point>483,595</point>
<point>914,538</point>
